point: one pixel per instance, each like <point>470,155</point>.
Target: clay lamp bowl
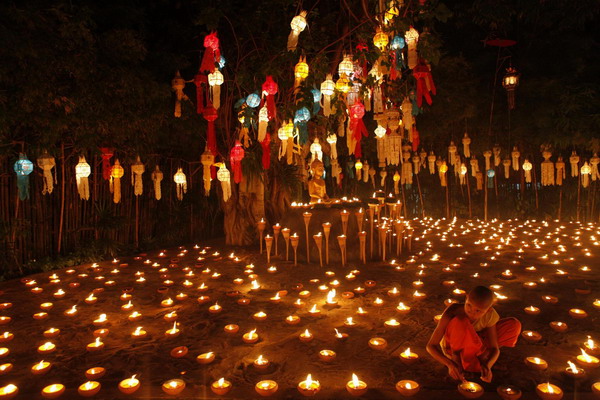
<point>356,387</point>
<point>292,320</point>
<point>536,363</point>
<point>173,386</point>
<point>41,368</point>
<point>261,363</point>
<point>508,392</point>
<point>531,336</point>
<point>407,388</point>
<point>266,388</point>
<point>470,390</point>
<point>548,391</point>
<point>309,387</point>
<point>327,355</point>
<point>89,388</point>
<point>205,358</point>
<point>220,387</point>
<point>377,343</point>
<point>95,373</point>
<point>231,329</point>
<point>129,386</point>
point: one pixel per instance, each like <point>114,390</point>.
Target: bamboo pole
<point>469,196</point>
<point>420,196</point>
<point>62,197</point>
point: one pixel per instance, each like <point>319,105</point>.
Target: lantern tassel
<point>157,177</point>
<point>117,190</point>
<point>83,187</point>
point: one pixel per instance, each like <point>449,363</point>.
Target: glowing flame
<point>138,330</point>
<point>88,385</point>
<point>407,385</point>
<point>406,352</point>
<point>306,333</point>
<point>349,321</point>
<point>590,343</point>
<point>337,333</point>
<point>572,368</point>
<point>330,296</point>
<point>549,388</point>
<point>355,381</point>
<point>309,380</point>
<point>586,357</point>
<point>314,309</point>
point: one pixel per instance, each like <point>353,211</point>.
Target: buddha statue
<point>316,185</point>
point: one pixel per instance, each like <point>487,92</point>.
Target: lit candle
<point>309,387</point>
<point>95,346</point>
<point>41,368</point>
<point>559,326</point>
<point>591,347</point>
<point>5,368</point>
<point>470,390</point>
<point>95,373</point>
<point>408,357</point>
<point>587,361</point>
<point>101,333</point>
<point>536,363</point>
<point>101,320</point>
<point>314,310</point>
<point>220,387</point>
<point>340,336</point>
<point>306,336</point>
<point>391,323</point>
<point>577,313</point>
<point>408,388</point>
<point>215,309</point>
<point>89,388</point>
<point>548,391</point>
<point>327,355</point>
<point>377,343</point>
<point>531,336</point>
<point>139,333</point>
<point>173,386</point>
<point>9,391</point>
<point>179,351</point>
<point>250,337</point>
<point>266,388</point>
<point>46,348</point>
<point>356,387</point>
<point>6,337</point>
<point>173,332</point>
<point>205,358</point>
<point>573,371</point>
<point>261,363</point>
<point>394,292</point>
<point>402,308</point>
<point>259,316</point>
<point>292,319</point>
<point>231,329</point>
<point>53,391</point>
<point>507,392</point>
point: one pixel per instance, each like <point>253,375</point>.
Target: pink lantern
<point>236,156</point>
<point>357,112</point>
<point>270,88</point>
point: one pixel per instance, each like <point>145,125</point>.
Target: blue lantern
<point>316,100</point>
<point>23,167</point>
<point>490,174</point>
<point>221,62</point>
<point>398,43</point>
<point>301,119</point>
<point>253,100</point>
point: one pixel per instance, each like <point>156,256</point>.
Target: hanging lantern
<point>300,72</point>
<point>116,173</point>
<point>137,169</point>
<point>263,122</point>
<point>327,90</point>
<point>515,154</point>
<point>594,161</point>
<point>463,174</point>
<point>178,84</point>
<point>235,157</point>
<point>270,89</point>
<point>527,167</point>
<point>253,100</point>
<point>301,119</point>
<point>357,126</point>
<point>224,177</point>
<point>431,158</point>
<point>487,155</point>
<point>46,162</point>
<point>358,165</point>
<point>180,183</point>
<point>416,160</point>
<point>586,170</point>
<point>215,80</point>
<point>298,24</point>
<point>391,13</point>
<point>425,85</point>
<point>560,171</point>
<point>342,85</point>
<point>407,171</point>
<point>207,159</point>
<point>490,175</point>
<point>332,140</point>
<point>466,141</point>
<point>381,40</point>
<point>316,101</point>
<point>574,161</point>
<point>346,67</point>
<point>396,179</point>
<point>547,169</point>
<point>497,156</point>
<point>474,166</point>
<point>510,83</point>
<point>82,171</point>
<point>316,150</point>
<point>212,54</point>
<point>380,131</point>
<point>106,154</point>
<point>383,147</point>
<point>157,177</point>
<point>23,167</point>
<point>442,173</point>
<point>506,164</point>
<point>286,134</point>
<point>412,37</point>
<point>451,152</point>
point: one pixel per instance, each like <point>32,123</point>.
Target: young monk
<point>468,337</point>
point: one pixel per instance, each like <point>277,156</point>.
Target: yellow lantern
<point>391,13</point>
<point>327,89</point>
<point>381,39</point>
<point>359,166</point>
<point>444,168</point>
<point>116,173</point>
<point>346,67</point>
<point>215,80</point>
<point>342,85</point>
<point>412,37</point>
<point>510,83</point>
<point>527,167</point>
<point>332,140</point>
<point>586,171</point>
<point>181,182</point>
<point>300,71</point>
<point>82,171</point>
<point>224,176</point>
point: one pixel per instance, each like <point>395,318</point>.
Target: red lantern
<point>107,154</point>
<point>270,88</point>
<point>212,53</point>
<point>236,156</point>
<point>357,126</point>
<point>266,151</point>
<point>422,74</point>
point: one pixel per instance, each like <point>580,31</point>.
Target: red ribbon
<point>357,126</point>
<point>266,151</point>
<point>425,85</point>
<point>271,88</point>
<point>107,154</point>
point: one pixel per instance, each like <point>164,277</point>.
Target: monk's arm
<point>494,350</point>
<point>433,346</point>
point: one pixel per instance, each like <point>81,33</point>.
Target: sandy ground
<point>467,252</point>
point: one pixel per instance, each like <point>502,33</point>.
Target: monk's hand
<point>486,373</point>
<point>455,372</point>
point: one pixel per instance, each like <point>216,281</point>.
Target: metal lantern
<point>510,83</point>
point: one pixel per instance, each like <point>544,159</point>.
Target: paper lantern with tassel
<point>442,172</point>
<point>215,80</point>
<point>466,141</point>
<point>82,172</point>
<point>412,37</point>
<point>425,85</point>
<point>416,160</point>
<point>357,126</point>
<point>407,171</point>
<point>236,156</point>
<point>506,163</point>
<point>212,54</point>
<point>397,57</point>
<point>594,161</point>
<point>106,154</point>
<point>561,174</point>
<point>253,100</point>
<point>490,175</point>
<point>547,169</point>
<point>496,150</point>
<point>316,101</point>
<point>474,166</point>
<point>342,85</point>
<point>346,66</point>
<point>487,155</point>
<point>316,151</point>
<point>515,154</point>
<point>137,169</point>
<point>527,167</point>
<point>327,90</point>
<point>180,183</point>
<point>207,159</point>
<point>270,89</point>
<point>586,170</point>
<point>381,40</point>
<point>358,165</point>
<point>23,167</point>
<point>46,162</point>
<point>510,83</point>
<point>463,174</point>
<point>332,140</point>
<point>451,152</point>
<point>366,171</point>
<point>263,122</point>
<point>116,173</point>
<point>210,115</point>
<point>157,177</point>
<point>574,161</point>
<point>431,158</point>
<point>178,84</point>
<point>224,177</point>
<point>298,24</point>
<point>301,71</point>
<point>396,178</point>
<point>301,119</point>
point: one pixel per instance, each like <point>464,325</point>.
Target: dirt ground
<point>467,252</point>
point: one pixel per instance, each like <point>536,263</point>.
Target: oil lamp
<point>531,336</point>
<point>250,337</point>
<point>46,348</point>
<point>531,310</point>
<point>548,391</point>
<point>408,357</point>
<point>573,371</point>
<point>356,387</point>
<point>508,392</point>
<point>327,355</point>
<point>53,391</point>
<point>95,345</point>
<point>139,333</point>
<point>205,358</point>
<point>266,388</point>
<point>536,363</point>
<point>9,391</point>
<point>587,361</point>
<point>402,308</point>
<point>89,388</point>
<point>391,323</point>
<point>41,368</point>
<point>259,316</point>
<point>306,336</point>
<point>377,343</point>
<point>558,326</point>
<point>261,363</point>
<point>292,319</point>
<point>470,390</point>
<point>95,373</point>
<point>173,386</point>
<point>577,313</point>
<point>173,332</point>
<point>407,388</point>
<point>220,387</point>
<point>309,387</point>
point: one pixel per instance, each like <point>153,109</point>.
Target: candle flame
<point>586,356</point>
<point>355,381</point>
<point>590,343</point>
<point>98,342</point>
<point>252,332</point>
<point>39,365</point>
<point>572,368</point>
<point>307,333</point>
<point>137,330</point>
<point>549,388</point>
<point>88,385</point>
<point>407,385</point>
<point>337,333</point>
<point>174,326</point>
<point>314,309</point>
<point>173,384</point>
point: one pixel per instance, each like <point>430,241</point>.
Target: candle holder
<point>205,358</point>
<point>356,387</point>
<point>261,363</point>
<point>266,388</point>
<point>9,391</point>
<point>129,386</point>
<point>318,238</point>
<point>578,313</point>
<point>179,352</point>
<point>250,337</point>
<point>407,388</point>
<point>470,390</point>
<point>509,392</point>
<point>327,355</point>
<point>378,344</point>
<point>5,368</point>
<point>574,372</point>
<point>587,361</point>
<point>286,237</point>
<point>269,245</point>
<point>231,329</point>
<point>531,310</point>
<point>548,391</point>
<point>342,243</point>
<point>309,387</point>
<point>173,386</point>
<point>326,230</point>
<point>294,239</point>
<point>344,217</point>
<point>536,363</point>
<point>408,357</point>
<point>306,216</point>
<point>362,241</point>
<point>306,336</point>
<point>292,320</point>
<point>89,388</point>
<point>261,228</point>
<point>531,336</point>
<point>41,368</point>
<point>95,373</point>
<point>596,389</point>
<point>360,215</point>
<point>220,387</point>
<point>559,326</point>
<point>53,391</point>
<point>276,232</point>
